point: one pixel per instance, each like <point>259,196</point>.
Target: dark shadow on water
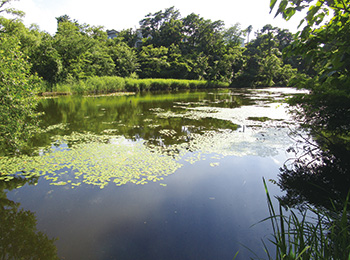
<point>19,238</point>
<point>320,178</point>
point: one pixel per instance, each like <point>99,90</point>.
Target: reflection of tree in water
<point>131,116</point>
<point>320,178</point>
<point>19,238</point>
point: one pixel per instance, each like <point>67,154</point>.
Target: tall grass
<point>116,84</point>
<point>309,234</point>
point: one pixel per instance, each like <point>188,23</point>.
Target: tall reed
<point>108,84</point>
<point>309,234</point>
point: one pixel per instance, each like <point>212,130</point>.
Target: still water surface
<point>153,176</point>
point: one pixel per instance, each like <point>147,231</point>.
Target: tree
<point>201,35</point>
<point>200,66</point>
<point>179,66</point>
<point>198,48</point>
<point>8,10</point>
<point>249,30</point>
<point>128,36</point>
<point>153,24</point>
<point>170,33</point>
<point>232,35</point>
<point>65,18</point>
<point>98,62</point>
<point>124,58</point>
<point>73,46</point>
<point>17,87</point>
<point>264,64</point>
<point>17,95</point>
<point>228,66</point>
<point>153,61</point>
<point>321,176</point>
<point>46,61</point>
<point>38,47</point>
<point>325,46</point>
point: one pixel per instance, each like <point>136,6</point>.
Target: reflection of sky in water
<point>203,211</point>
<point>102,159</point>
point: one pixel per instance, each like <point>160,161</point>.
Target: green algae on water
<point>97,161</point>
<point>180,134</point>
<point>86,158</point>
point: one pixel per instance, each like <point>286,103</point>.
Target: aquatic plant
<point>92,159</point>
<point>86,158</point>
<point>309,234</point>
<point>109,84</point>
<point>127,148</point>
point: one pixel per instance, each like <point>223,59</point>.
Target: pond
<point>147,176</point>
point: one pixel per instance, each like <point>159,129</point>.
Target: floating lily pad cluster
<point>100,159</point>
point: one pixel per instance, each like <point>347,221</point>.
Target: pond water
<point>147,176</point>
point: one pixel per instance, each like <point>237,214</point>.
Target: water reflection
<point>203,212</point>
<point>101,140</point>
<point>130,116</point>
<point>19,237</point>
<point>320,177</point>
<point>201,154</point>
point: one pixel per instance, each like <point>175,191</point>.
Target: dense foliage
<point>325,46</point>
<point>165,46</point>
<point>17,87</point>
<point>320,178</point>
<point>325,110</point>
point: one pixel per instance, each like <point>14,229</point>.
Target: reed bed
<point>107,84</point>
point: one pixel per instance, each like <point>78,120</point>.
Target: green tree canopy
<point>153,61</point>
<point>124,58</point>
<point>4,9</point>
<point>17,94</point>
<point>264,64</point>
<point>321,175</point>
<point>325,46</point>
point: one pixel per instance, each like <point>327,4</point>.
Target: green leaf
<point>272,4</point>
<point>288,13</point>
<point>282,7</point>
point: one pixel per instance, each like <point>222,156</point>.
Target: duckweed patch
<point>96,162</point>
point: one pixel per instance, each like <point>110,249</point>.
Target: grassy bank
<point>96,85</point>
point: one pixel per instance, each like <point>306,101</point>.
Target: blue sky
<point>124,14</point>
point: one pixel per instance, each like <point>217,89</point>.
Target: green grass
<point>97,85</point>
<point>309,234</point>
